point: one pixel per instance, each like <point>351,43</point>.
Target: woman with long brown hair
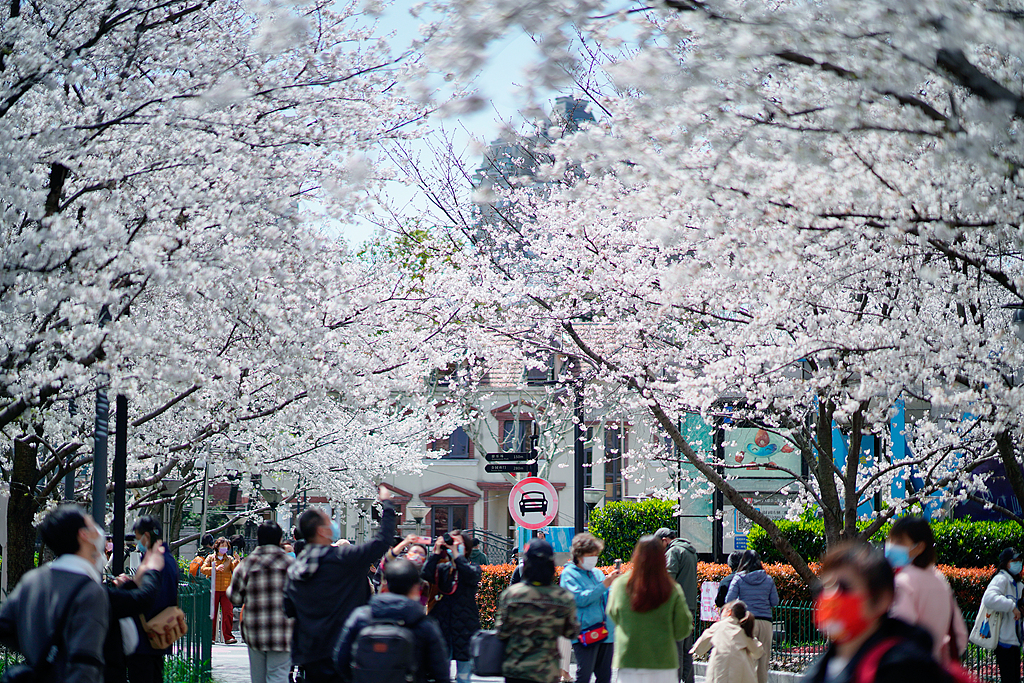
<point>650,615</point>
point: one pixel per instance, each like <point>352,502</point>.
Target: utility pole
<point>99,449</point>
<point>69,477</point>
<point>120,482</point>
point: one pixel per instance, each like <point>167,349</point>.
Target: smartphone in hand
<point>618,565</point>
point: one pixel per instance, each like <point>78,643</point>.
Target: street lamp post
<point>205,464</point>
<point>273,498</point>
<point>171,487</point>
<point>418,512</point>
<point>592,497</point>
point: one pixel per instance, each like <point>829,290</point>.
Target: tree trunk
<point>824,473</point>
<point>850,478</point>
<point>735,497</point>
<point>1004,444</point>
<point>21,510</point>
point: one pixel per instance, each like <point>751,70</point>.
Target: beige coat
<point>735,654</point>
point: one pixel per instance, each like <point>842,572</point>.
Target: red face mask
<point>840,616</point>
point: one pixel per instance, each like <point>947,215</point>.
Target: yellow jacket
<point>225,565</point>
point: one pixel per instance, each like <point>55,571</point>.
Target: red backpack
<point>867,669</point>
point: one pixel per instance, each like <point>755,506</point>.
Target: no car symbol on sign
<point>533,503</point>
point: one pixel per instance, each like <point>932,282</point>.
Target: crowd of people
<point>407,612</point>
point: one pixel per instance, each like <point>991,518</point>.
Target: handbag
<point>165,628</point>
<point>593,634</point>
<point>487,653</point>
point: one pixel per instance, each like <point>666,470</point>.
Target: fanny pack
<point>593,634</point>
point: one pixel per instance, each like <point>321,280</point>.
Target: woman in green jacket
<point>650,615</point>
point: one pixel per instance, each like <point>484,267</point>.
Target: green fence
<point>191,658</point>
<point>796,642</point>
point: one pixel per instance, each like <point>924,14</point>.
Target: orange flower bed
<point>968,584</point>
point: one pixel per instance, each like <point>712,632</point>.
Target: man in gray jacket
<point>66,590</point>
<point>681,558</point>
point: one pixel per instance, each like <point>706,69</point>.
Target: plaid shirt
<point>258,583</point>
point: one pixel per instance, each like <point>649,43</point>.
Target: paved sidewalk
<point>231,663</point>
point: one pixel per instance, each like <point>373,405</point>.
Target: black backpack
<point>385,652</point>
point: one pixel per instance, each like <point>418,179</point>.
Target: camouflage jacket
<point>530,619</point>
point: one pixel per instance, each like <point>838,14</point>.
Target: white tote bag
<point>985,633</point>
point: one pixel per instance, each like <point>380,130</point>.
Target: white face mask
<point>588,563</point>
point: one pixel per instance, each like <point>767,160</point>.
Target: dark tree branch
<point>975,80</point>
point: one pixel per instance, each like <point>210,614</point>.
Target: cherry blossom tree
<point>794,216</point>
<point>162,164</point>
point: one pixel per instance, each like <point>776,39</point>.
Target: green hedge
<point>621,523</point>
<point>958,542</point>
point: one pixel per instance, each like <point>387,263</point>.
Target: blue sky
<point>498,83</point>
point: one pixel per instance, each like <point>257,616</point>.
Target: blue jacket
<point>591,597</point>
<point>757,589</point>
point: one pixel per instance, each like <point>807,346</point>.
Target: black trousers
<point>145,668</point>
<point>321,671</point>
<point>685,659</point>
<point>1008,660</point>
<point>593,660</point>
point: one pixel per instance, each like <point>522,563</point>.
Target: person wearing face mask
<point>414,552</point>
<point>129,597</point>
<point>455,580</point>
<point>1003,596</point>
<point>326,583</point>
<point>146,665</point>
<point>923,596</point>
<point>589,588</point>
<point>64,595</point>
<point>865,643</point>
<point>221,564</point>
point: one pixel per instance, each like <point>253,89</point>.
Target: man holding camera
<point>455,580</point>
<point>325,583</point>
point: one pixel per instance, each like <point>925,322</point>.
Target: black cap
<point>539,549</point>
<point>664,532</point>
<point>1008,554</point>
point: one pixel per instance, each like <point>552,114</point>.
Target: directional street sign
<point>509,467</point>
<point>509,457</point>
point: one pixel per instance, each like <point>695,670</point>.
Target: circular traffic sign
<point>533,503</point>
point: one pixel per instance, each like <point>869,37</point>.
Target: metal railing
<point>498,549</point>
<point>796,643</point>
<point>191,658</point>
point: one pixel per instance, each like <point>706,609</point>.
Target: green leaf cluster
<point>958,542</point>
<point>621,523</point>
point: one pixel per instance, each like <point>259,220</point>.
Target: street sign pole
<point>579,505</point>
